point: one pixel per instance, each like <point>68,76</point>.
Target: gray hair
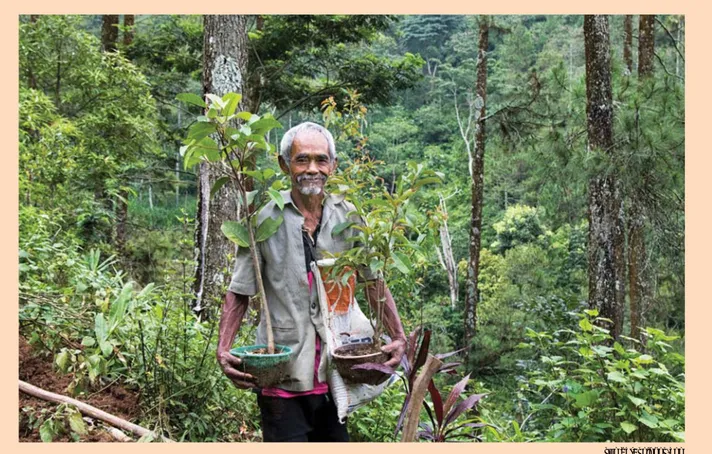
<point>285,147</point>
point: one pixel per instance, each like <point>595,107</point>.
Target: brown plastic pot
<point>347,356</point>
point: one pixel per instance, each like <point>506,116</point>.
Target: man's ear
<point>283,165</point>
<point>335,164</point>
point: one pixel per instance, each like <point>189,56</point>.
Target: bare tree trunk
<point>109,32</point>
<point>628,43</point>
<point>646,44</point>
<point>109,38</point>
<point>446,257</point>
<point>637,251</point>
<point>224,70</point>
<point>420,387</point>
<point>606,240</point>
<point>477,174</point>
<point>128,29</point>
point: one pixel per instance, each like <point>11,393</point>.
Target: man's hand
<point>230,367</point>
<point>396,349</point>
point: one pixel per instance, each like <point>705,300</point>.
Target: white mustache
<point>309,178</point>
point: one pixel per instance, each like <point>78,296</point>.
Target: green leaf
<point>649,420</point>
<point>62,359</point>
<point>191,98</point>
<point>231,101</point>
<point>219,183</point>
<point>276,197</point>
<point>585,399</point>
<point>617,377</point>
<point>265,124</point>
<point>251,196</point>
<point>216,100</point>
<point>106,348</point>
<point>200,130</point>
<point>76,423</point>
<point>636,401</point>
<point>100,327</point>
<point>402,262</point>
<point>245,116</point>
<point>236,232</point>
<point>341,227</point>
<point>267,228</point>
<point>47,431</point>
<point>88,341</point>
<point>628,428</point>
<point>585,325</point>
<point>643,359</point>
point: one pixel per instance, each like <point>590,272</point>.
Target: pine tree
<point>606,241</point>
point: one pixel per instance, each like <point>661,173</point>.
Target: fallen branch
<point>412,414</point>
<point>88,410</point>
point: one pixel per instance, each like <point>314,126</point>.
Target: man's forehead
<point>310,138</point>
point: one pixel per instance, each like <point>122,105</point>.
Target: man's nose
<point>312,167</point>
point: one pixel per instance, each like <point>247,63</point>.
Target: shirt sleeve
<point>243,280</point>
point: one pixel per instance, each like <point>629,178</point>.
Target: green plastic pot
<point>268,370</point>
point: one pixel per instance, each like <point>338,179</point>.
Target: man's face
<point>310,164</point>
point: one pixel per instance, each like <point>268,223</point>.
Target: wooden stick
<point>88,410</point>
<point>412,413</point>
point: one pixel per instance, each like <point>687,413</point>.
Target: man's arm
<point>233,311</point>
<point>391,320</point>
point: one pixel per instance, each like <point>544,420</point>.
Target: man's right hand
<point>230,366</point>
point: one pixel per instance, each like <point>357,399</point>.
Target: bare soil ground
<point>37,370</point>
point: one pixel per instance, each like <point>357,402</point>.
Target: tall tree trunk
<point>224,70</point>
<point>606,240</point>
<point>628,43</point>
<point>128,29</point>
<point>646,44</point>
<point>637,251</point>
<point>447,260</point>
<point>477,173</point>
<point>109,39</point>
<point>109,32</point>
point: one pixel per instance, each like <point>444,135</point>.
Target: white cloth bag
<point>347,396</point>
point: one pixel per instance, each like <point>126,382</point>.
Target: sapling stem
<point>253,244</point>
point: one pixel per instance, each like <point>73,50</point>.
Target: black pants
<point>301,419</point>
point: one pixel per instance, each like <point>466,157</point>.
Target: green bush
<point>584,386</point>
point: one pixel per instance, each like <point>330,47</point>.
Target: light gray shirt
<point>295,312</point>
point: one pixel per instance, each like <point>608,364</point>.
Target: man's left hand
<point>396,349</point>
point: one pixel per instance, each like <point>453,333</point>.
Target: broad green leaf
<point>76,423</point>
<point>266,123</point>
<point>200,130</point>
<point>236,232</point>
<point>585,325</point>
<point>216,100</point>
<point>62,359</point>
<point>251,196</point>
<point>591,312</point>
<point>617,377</point>
<point>643,359</point>
<point>276,197</point>
<point>106,348</point>
<point>191,98</point>
<point>267,228</point>
<point>219,183</point>
<point>649,420</point>
<point>231,101</point>
<point>47,431</point>
<point>628,427</point>
<point>341,227</point>
<point>119,307</point>
<point>88,341</point>
<point>636,401</point>
<point>402,262</point>
<point>100,327</point>
<point>244,116</point>
<point>586,399</point>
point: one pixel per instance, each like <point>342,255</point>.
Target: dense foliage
<point>99,131</point>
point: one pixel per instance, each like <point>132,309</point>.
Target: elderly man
<point>299,409</point>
